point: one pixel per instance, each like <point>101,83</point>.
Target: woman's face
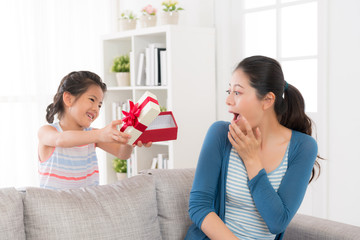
<point>242,100</point>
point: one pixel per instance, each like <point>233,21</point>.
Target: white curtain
<point>41,41</point>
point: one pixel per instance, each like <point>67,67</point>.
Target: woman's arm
<point>206,184</point>
<point>278,208</point>
<point>215,228</point>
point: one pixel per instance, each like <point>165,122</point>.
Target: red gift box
<point>163,128</point>
<point>140,115</point>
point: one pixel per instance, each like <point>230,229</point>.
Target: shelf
<point>154,31</point>
<point>161,143</point>
<point>190,64</point>
<point>137,88</point>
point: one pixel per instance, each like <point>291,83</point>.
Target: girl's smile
<point>85,109</point>
<point>91,116</point>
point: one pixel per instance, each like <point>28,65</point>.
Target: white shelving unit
<point>189,94</point>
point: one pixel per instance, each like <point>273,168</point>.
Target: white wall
<point>343,83</point>
<point>228,49</point>
<point>196,13</point>
<point>344,112</point>
<point>343,200</point>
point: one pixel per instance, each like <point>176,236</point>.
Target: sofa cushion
<point>11,214</point>
<point>124,210</point>
<point>303,227</point>
<point>172,193</point>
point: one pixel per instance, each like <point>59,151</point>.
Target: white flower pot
<point>123,78</point>
<point>127,24</point>
<point>169,18</point>
<point>147,21</point>
<point>121,176</point>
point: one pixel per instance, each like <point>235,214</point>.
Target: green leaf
<point>121,64</point>
<point>120,165</point>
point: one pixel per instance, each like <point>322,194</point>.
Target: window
<point>294,33</point>
<point>286,30</point>
<point>42,41</point>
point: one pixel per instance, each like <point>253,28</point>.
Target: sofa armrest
<point>313,228</point>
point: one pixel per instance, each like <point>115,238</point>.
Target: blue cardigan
<point>276,208</point>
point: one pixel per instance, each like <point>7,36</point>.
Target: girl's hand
<point>246,144</point>
<point>110,133</point>
<point>140,144</point>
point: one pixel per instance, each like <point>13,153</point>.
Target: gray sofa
<point>152,205</point>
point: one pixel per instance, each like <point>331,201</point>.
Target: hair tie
<point>286,86</point>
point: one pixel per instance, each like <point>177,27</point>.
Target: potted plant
<point>163,109</point>
<point>170,14</point>
<point>148,16</point>
<point>120,167</point>
<point>127,20</point>
<point>121,66</point>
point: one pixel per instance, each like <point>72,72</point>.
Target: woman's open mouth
<point>237,116</point>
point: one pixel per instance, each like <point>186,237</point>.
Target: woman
<point>252,174</point>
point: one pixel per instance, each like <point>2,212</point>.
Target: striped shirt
<point>241,214</point>
<point>67,168</point>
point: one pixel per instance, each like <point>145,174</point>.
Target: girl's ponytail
<point>50,113</point>
<point>56,107</point>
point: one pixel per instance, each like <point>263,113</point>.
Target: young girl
<point>67,157</point>
<point>252,173</point>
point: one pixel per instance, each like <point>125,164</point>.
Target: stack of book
<point>132,166</point>
<point>160,162</point>
<point>152,68</point>
<point>117,108</point>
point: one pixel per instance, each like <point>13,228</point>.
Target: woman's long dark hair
<point>76,83</point>
<point>266,76</point>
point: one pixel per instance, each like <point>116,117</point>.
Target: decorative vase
<point>123,78</point>
<point>121,176</point>
<point>147,21</point>
<point>169,17</point>
<point>127,24</point>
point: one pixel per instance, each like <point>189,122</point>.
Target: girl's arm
<point>122,151</point>
<point>49,136</point>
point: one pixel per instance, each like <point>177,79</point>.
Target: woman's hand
<point>247,145</point>
<point>110,133</point>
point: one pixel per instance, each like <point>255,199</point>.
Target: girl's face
<point>85,109</point>
<point>242,100</point>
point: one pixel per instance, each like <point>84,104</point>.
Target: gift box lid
<point>163,128</point>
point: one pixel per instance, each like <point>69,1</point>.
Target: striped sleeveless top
<point>67,168</point>
<point>241,214</point>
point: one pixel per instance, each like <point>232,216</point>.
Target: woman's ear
<point>268,100</point>
<point>68,99</point>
